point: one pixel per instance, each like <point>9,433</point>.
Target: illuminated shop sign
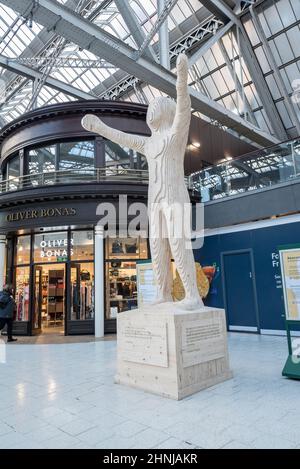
<point>41,213</point>
<point>57,248</point>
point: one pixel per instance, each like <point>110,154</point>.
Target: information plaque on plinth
<point>170,352</point>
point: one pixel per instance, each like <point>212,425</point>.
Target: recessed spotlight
<point>196,144</point>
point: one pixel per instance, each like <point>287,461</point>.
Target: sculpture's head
<point>161,113</point>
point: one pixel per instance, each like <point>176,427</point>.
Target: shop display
<point>82,292</point>
<point>130,248</point>
<point>117,247</point>
<point>121,288</point>
<point>121,278</point>
<point>56,292</point>
<point>22,294</point>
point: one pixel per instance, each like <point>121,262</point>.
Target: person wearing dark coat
<point>7,309</point>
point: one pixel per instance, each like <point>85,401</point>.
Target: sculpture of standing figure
<point>164,149</point>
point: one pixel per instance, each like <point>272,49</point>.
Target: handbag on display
<point>85,276</point>
<point>131,248</point>
<point>117,247</point>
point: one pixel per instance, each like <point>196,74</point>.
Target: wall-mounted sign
<point>57,248</point>
<point>290,270</point>
<point>41,213</point>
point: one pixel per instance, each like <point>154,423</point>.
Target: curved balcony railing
<point>256,170</point>
<point>81,176</point>
<point>84,176</point>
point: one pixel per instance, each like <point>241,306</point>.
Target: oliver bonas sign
<point>41,213</point>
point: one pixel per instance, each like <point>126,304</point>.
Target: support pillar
<point>163,33</point>
<point>99,281</point>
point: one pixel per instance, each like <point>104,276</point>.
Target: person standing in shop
<point>7,310</point>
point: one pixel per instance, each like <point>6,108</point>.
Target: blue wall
<point>264,243</point>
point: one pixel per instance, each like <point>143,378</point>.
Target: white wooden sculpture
<point>164,149</point>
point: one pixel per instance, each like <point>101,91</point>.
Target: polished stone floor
<point>63,396</point>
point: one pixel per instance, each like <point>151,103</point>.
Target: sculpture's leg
<point>185,264</point>
<point>161,258</point>
<point>181,247</point>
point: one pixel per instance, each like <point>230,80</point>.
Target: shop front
<point>53,274</point>
<point>54,281</point>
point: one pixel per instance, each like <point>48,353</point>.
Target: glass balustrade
<point>257,170</point>
<point>83,175</point>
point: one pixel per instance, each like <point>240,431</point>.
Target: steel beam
<point>39,45</point>
<point>163,34</point>
<point>239,85</point>
<point>277,75</point>
<point>37,75</point>
<point>59,62</point>
<point>164,7</point>
<point>87,35</point>
<point>222,11</point>
<point>134,27</point>
<point>189,41</point>
<point>209,43</point>
<point>244,167</point>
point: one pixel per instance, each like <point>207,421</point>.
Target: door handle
<point>250,274</point>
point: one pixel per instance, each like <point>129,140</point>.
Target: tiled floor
<point>63,396</point>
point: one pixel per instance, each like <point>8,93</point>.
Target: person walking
<point>7,309</point>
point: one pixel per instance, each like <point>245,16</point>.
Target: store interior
<point>121,294</point>
<point>49,299</point>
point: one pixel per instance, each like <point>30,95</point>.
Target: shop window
<point>82,291</point>
<point>22,293</point>
<point>126,248</point>
<point>41,166</point>
<point>82,245</point>
<point>121,287</point>
<point>51,247</point>
<point>117,157</point>
<point>13,173</point>
<point>22,254</point>
<point>77,156</point>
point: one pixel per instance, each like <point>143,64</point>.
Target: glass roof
<point>221,73</point>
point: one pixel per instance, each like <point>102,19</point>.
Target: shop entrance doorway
<point>49,299</point>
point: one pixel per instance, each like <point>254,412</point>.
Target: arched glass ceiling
<point>222,72</point>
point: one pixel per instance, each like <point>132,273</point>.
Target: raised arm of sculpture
<point>94,124</point>
<point>183,107</point>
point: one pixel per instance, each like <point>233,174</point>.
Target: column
<point>2,260</point>
<point>163,34</point>
<point>99,281</point>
